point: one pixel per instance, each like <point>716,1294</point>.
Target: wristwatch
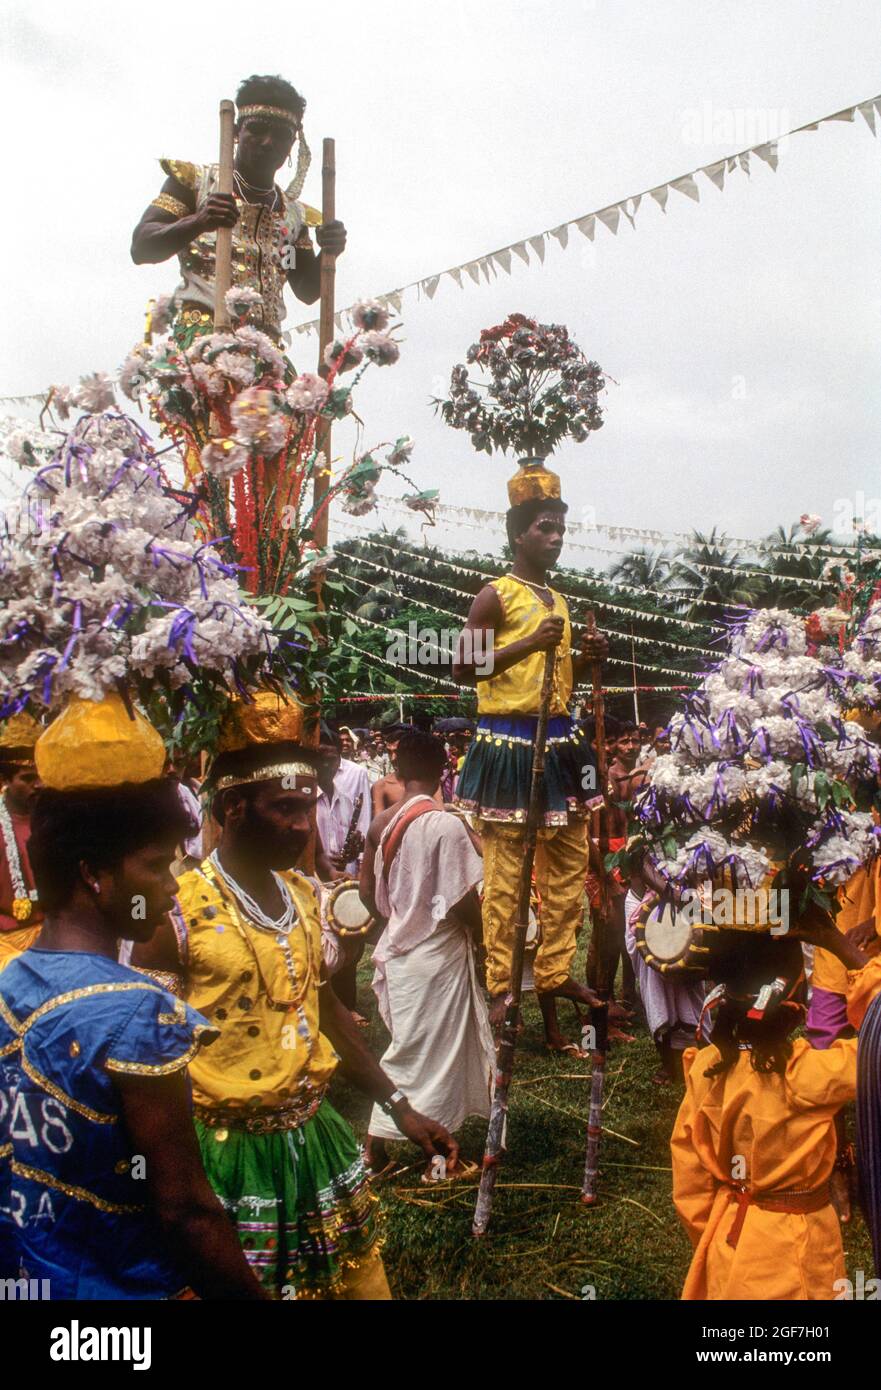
<point>388,1106</point>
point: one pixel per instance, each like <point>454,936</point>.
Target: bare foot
<point>616,1035</point>
<point>571,989</point>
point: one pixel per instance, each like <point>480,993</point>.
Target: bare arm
<point>367,880</point>
<point>194,1225</point>
<point>467,911</point>
<point>161,233</point>
<point>304,277</point>
<point>484,618</point>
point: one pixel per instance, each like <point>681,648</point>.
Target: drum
<point>345,913</point>
<point>669,942</point>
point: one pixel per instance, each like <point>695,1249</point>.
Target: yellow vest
<point>518,690</point>
<point>263,997</point>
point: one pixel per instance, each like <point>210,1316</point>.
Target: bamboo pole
<point>495,1135</point>
<point>223,245</point>
<point>325,337</point>
<point>599,1018</point>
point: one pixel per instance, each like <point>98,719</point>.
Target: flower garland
<point>23,898</point>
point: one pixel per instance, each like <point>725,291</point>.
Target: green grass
<point>542,1244</point>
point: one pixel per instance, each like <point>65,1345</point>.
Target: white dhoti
<point>672,1007</point>
<point>442,1054</point>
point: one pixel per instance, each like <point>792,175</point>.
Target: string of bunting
<point>638,590</point>
<point>582,598</point>
<point>382,697</point>
<point>488,265</point>
<point>480,516</point>
<point>611,660</point>
<point>751,571</point>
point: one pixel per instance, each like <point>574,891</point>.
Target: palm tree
<point>647,569</point>
<point>710,569</point>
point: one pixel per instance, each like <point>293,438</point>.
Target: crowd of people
<point>180,941</point>
<point>178,988</point>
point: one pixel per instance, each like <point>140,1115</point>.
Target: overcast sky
<point>742,333</point>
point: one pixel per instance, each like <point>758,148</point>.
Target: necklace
<point>23,898</point>
<point>242,183</point>
<point>252,910</point>
<point>539,588</point>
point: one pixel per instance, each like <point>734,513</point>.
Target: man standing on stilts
<point>271,242</point>
<point>516,619</point>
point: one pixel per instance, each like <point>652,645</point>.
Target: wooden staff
<point>223,245</point>
<point>325,337</point>
<point>495,1135</point>
<point>599,1018</point>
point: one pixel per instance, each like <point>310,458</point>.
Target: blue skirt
<point>495,779</point>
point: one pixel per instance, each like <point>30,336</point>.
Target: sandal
<point>569,1049</point>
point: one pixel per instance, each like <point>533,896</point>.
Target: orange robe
<point>860,899</point>
<point>783,1128</point>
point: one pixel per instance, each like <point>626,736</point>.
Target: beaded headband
<point>277,113</point>
<point>266,774</point>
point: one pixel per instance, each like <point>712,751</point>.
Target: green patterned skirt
<point>300,1200</point>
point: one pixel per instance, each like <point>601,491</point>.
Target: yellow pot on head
<point>268,718</point>
<point>97,743</point>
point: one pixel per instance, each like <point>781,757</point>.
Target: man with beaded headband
<point>102,1190</point>
<point>20,917</point>
<point>245,940</point>
<point>270,227</point>
<point>518,618</point>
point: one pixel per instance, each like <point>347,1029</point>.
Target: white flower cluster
<point>761,758</point>
<point>113,584</point>
<point>861,664</point>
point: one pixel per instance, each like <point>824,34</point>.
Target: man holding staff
<point>271,242</point>
<point>521,618</point>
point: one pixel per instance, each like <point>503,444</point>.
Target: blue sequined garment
<point>73,1198</point>
<point>496,777</point>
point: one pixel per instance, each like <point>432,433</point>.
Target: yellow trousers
<point>12,943</point>
<point>560,869</point>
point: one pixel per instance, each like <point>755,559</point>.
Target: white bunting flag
<point>520,250</point>
<point>768,153</point>
<point>867,111</point>
<point>538,245</point>
<point>430,285</point>
<point>687,186</point>
<point>587,225</point>
<point>562,234</point>
<point>610,217</point>
<point>660,195</point>
<point>716,173</point>
<point>504,259</point>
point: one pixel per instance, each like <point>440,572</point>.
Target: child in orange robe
<point>754,1143</point>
